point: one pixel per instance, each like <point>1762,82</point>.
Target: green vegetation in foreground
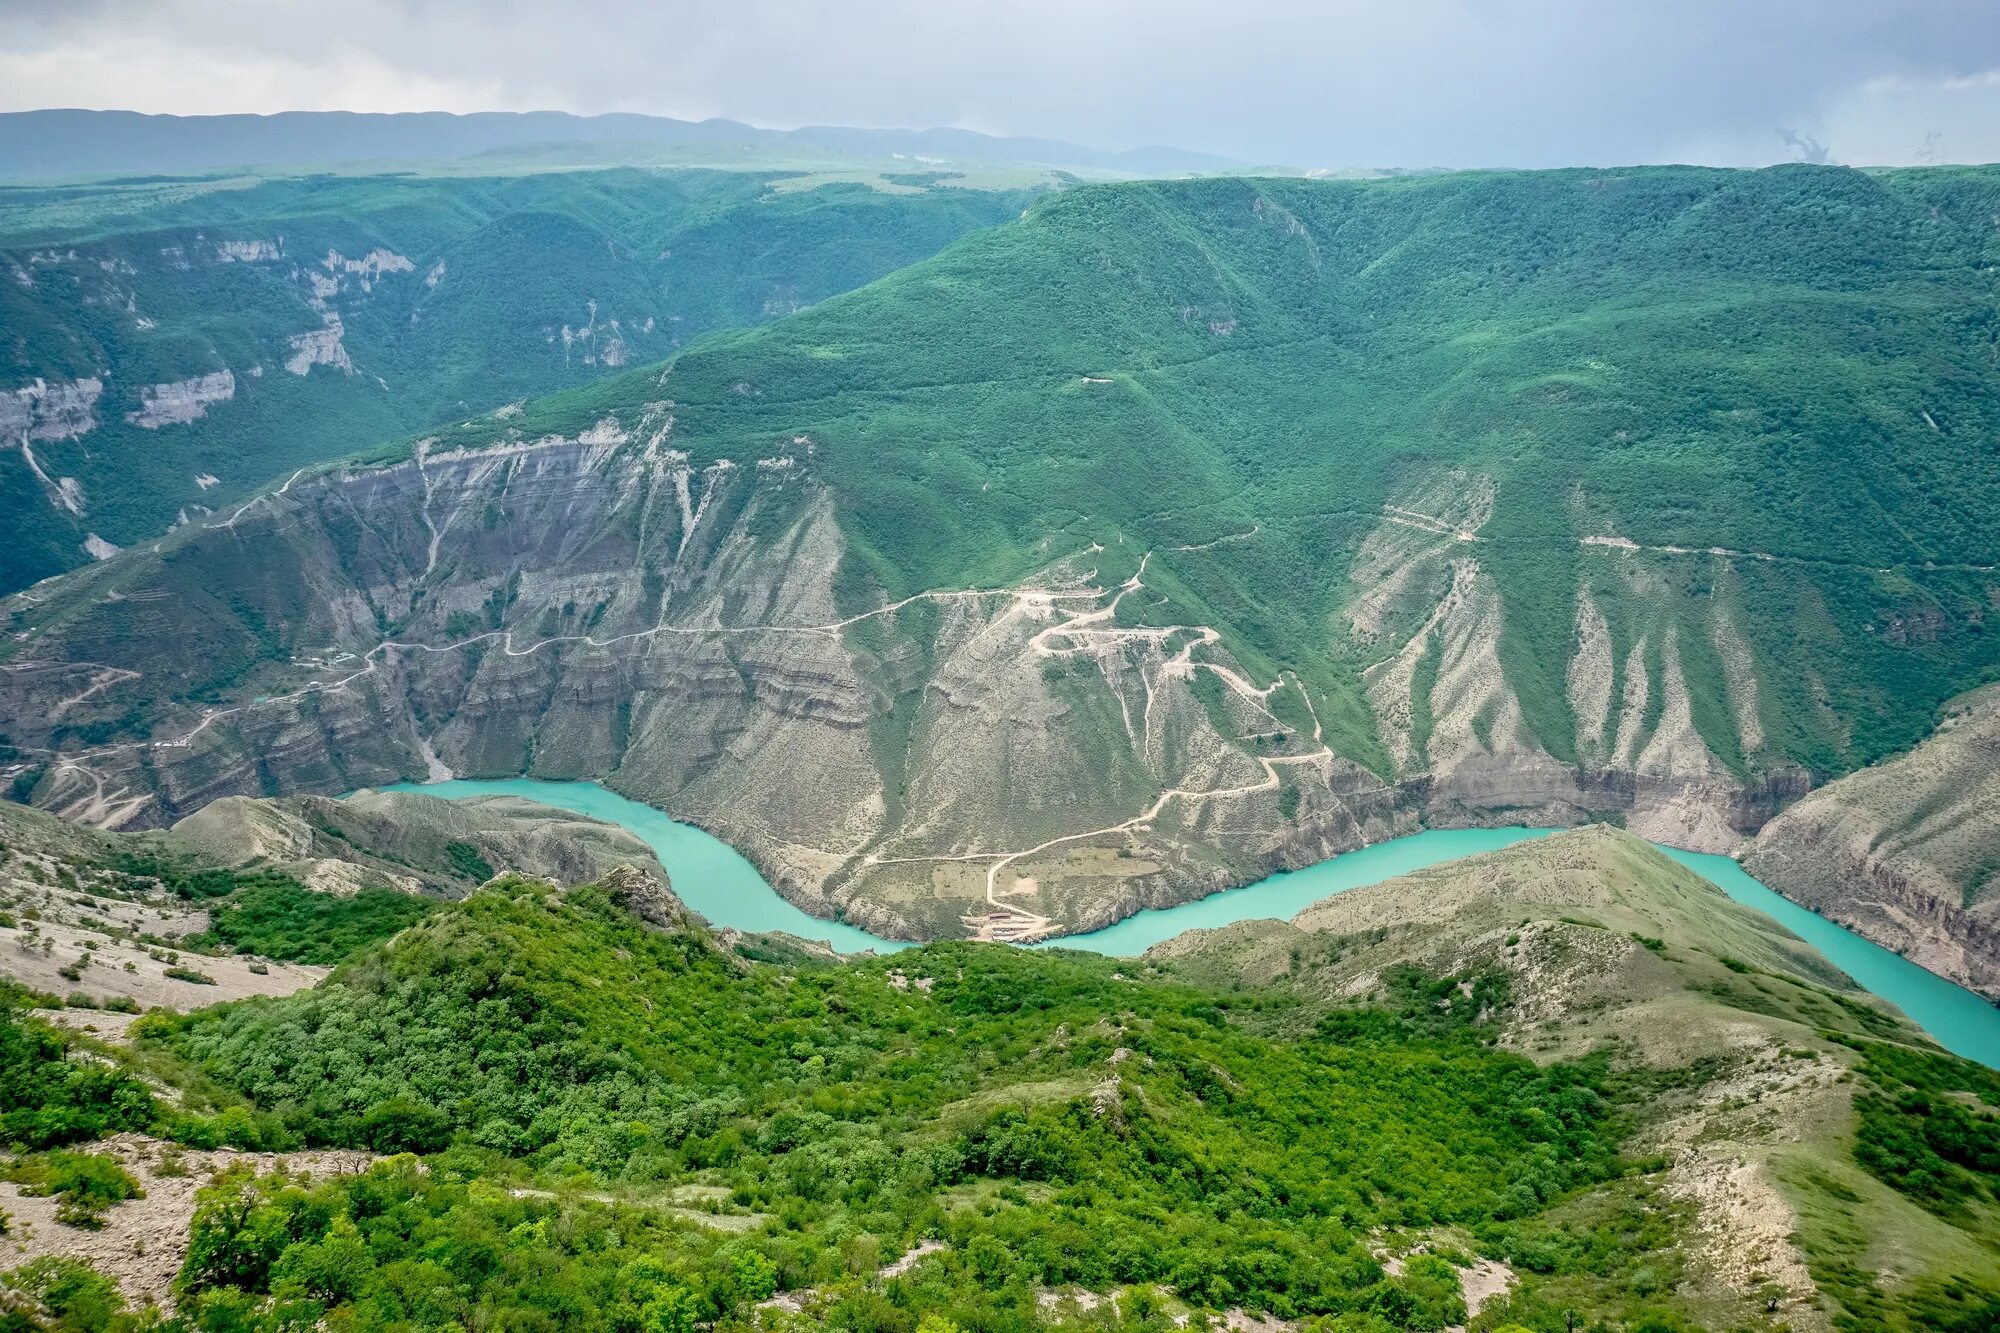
<point>88,1184</point>
<point>592,1124</point>
<point>280,918</point>
<point>1051,1119</point>
<point>1930,1128</point>
<point>48,1098</point>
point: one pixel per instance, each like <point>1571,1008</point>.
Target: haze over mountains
<point>67,144</point>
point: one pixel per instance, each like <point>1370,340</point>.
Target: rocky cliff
<point>1008,762</point>
<point>1161,536</point>
<point>1907,853</point>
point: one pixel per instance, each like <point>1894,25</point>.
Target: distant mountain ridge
<point>63,144</point>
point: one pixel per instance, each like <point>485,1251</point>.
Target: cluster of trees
<point>1053,1121</point>
<point>591,1124</point>
<point>48,1098</point>
<point>1930,1127</point>
<point>277,917</point>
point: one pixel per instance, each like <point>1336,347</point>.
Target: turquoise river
<point>716,881</point>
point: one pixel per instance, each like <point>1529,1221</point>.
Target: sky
<point>1306,83</point>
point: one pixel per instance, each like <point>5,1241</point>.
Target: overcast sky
<point>1312,83</point>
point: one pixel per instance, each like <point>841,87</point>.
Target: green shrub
<point>86,1184</point>
<point>47,1098</point>
<point>280,918</point>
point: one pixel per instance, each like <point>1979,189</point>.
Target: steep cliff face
<point>1907,853</point>
<point>1009,762</point>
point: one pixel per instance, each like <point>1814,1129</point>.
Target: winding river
<point>716,881</point>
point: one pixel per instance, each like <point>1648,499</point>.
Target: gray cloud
<point>1333,83</point>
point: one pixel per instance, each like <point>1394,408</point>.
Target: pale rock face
<point>182,401</point>
<point>99,548</point>
<point>320,347</point>
<point>370,267</point>
<point>435,276</point>
<point>611,348</point>
<point>45,411</point>
<point>250,252</point>
<point>1002,762</point>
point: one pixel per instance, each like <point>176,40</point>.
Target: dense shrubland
<point>588,1123</point>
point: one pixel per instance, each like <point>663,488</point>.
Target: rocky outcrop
<point>410,841</point>
<point>250,252</point>
<point>43,410</point>
<point>320,347</point>
<point>369,268</point>
<point>182,401</point>
<point>1907,853</point>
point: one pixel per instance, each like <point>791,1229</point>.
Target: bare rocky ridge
<point>1004,763</point>
<point>404,840</point>
<point>1907,853</point>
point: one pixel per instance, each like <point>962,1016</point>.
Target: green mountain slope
<point>1165,535</point>
<point>1810,1138</point>
<point>168,345</point>
<point>1791,364</point>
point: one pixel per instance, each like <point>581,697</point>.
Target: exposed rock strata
<point>1006,762</point>
<point>1907,853</point>
<point>50,411</point>
<point>182,401</point>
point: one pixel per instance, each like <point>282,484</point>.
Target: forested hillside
<point>1774,385</point>
<point>167,344</point>
<point>578,1109</point>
